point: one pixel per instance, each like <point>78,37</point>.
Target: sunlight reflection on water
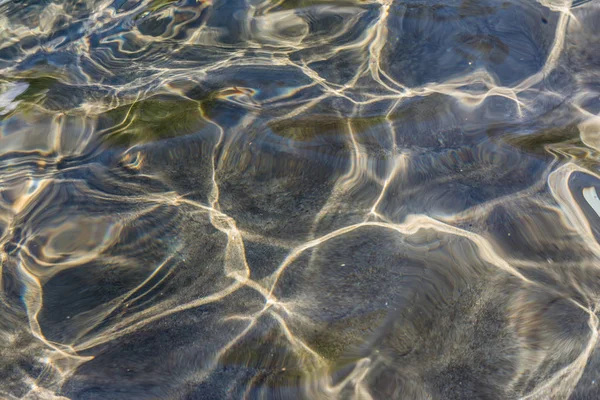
<point>320,199</point>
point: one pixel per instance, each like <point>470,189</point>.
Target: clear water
<point>299,199</point>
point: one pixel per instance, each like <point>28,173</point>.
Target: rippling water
<point>299,199</point>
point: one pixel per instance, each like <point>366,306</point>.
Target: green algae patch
<point>152,119</point>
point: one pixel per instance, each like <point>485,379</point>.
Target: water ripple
<point>320,199</point>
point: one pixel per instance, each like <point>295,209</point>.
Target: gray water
<point>299,199</point>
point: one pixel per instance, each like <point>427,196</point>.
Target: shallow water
<point>299,199</point>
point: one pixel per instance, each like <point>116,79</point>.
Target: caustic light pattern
<point>299,199</point>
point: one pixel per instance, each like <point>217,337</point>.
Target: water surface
<point>299,199</point>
